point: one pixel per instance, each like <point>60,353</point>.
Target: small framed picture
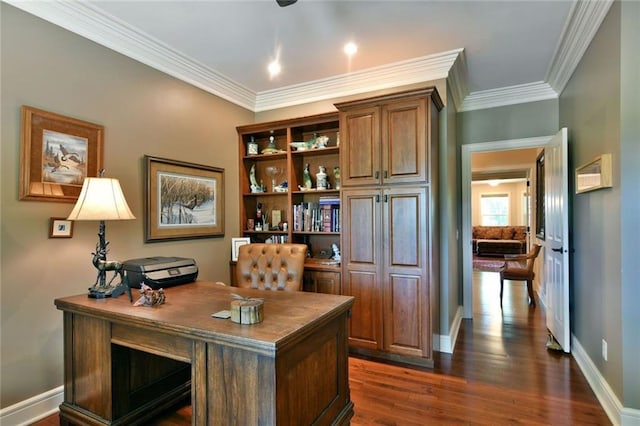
<point>60,228</point>
<point>235,245</point>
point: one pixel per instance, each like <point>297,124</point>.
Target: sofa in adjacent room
<point>499,240</point>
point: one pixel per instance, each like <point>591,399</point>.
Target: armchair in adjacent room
<point>271,266</point>
<point>520,268</point>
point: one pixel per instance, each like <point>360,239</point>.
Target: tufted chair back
<point>271,266</point>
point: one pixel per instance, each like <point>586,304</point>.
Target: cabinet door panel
<point>361,265</point>
<point>406,311</point>
<point>406,227</point>
<point>360,150</point>
<point>361,227</point>
<point>404,333</point>
<point>321,282</point>
<point>364,324</point>
<point>404,150</point>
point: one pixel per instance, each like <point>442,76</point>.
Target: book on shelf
<point>316,217</point>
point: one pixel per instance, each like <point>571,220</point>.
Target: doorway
<point>467,252</point>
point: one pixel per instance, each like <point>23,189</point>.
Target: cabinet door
<point>406,310</point>
<point>360,149</point>
<point>404,141</point>
<point>361,266</point>
<point>327,282</point>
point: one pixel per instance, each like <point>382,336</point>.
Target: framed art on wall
<point>183,200</point>
<point>594,175</point>
<point>56,154</point>
<point>60,227</point>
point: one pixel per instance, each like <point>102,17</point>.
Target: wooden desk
<point>125,364</point>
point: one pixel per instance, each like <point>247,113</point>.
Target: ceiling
<point>493,52</point>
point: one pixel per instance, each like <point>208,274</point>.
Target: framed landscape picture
<point>183,200</point>
<point>56,154</point>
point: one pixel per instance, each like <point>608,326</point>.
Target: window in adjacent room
<point>494,209</point>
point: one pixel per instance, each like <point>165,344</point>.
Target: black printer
<point>160,271</point>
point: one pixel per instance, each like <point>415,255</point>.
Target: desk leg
<point>199,392</point>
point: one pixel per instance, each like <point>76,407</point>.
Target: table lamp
<point>102,199</point>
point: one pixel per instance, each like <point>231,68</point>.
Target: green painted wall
<point>508,122</point>
<point>601,105</point>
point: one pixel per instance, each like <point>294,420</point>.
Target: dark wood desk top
<point>288,316</point>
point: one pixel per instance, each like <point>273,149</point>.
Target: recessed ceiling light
<point>350,48</point>
<point>274,68</point>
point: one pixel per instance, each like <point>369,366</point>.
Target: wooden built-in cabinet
<point>389,167</point>
<point>319,235</point>
<point>389,137</point>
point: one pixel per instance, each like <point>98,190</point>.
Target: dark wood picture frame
<point>56,154</point>
<point>60,227</point>
<point>182,200</point>
<point>540,205</point>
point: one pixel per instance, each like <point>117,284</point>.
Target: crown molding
<point>511,95</point>
<point>584,20</point>
<point>458,80</point>
<point>426,68</point>
<point>92,23</point>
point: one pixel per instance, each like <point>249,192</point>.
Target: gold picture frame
<point>183,200</point>
<point>56,154</point>
<point>595,174</point>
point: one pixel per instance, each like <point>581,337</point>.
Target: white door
<point>556,242</point>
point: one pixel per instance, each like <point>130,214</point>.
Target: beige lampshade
<point>101,199</point>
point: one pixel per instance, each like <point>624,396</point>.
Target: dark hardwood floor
<point>500,374</point>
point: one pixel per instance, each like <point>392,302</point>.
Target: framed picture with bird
<point>56,154</point>
<point>182,200</point>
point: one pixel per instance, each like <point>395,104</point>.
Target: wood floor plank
<point>499,374</point>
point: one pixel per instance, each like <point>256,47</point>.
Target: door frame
<point>467,255</point>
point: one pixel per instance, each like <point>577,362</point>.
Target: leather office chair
<point>271,266</point>
<point>519,267</point>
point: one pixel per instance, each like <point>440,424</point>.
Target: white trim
<point>519,94</point>
<point>581,26</point>
<point>458,77</point>
<point>448,343</point>
<point>93,23</point>
<point>33,409</point>
<point>417,70</point>
<point>618,414</point>
<point>467,150</point>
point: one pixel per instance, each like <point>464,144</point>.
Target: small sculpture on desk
<point>99,290</point>
<point>306,178</point>
<point>336,252</point>
<point>150,297</point>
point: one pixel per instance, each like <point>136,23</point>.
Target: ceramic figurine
<point>336,252</point>
<point>253,182</point>
<point>321,178</point>
<point>336,175</point>
<point>306,177</point>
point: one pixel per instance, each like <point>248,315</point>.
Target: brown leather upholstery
<point>271,266</point>
<point>520,268</point>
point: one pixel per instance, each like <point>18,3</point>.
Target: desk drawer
<point>167,345</point>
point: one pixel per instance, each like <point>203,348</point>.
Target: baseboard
<point>33,409</point>
<point>618,414</point>
<point>448,342</point>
